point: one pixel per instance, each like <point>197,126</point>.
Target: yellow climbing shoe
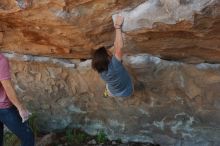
<point>106,94</point>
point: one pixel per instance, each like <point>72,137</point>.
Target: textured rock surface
<point>195,39</point>
<point>174,103</point>
<point>56,27</point>
<point>186,30</point>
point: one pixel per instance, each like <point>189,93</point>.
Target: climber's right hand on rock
<point>119,21</point>
<point>27,4</point>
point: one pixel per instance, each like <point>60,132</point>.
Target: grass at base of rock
<point>71,137</point>
<point>74,137</point>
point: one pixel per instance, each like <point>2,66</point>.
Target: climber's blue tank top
<point>117,78</point>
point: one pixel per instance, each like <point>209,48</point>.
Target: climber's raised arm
<point>118,44</point>
<point>111,69</point>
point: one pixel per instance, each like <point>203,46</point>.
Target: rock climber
<point>110,68</point>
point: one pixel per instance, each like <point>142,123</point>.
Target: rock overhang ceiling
<point>174,103</point>
<point>185,30</point>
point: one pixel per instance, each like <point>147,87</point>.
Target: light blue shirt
<point>117,78</point>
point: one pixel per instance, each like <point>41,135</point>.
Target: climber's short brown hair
<point>100,60</point>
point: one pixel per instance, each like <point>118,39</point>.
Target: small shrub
<point>101,137</point>
<point>119,140</point>
<point>32,121</point>
<point>75,136</point>
<point>11,140</point>
<point>79,137</point>
<point>69,136</point>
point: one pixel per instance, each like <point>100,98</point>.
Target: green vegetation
<point>75,136</point>
<point>10,139</point>
<point>119,140</point>
<point>79,137</point>
<point>69,136</point>
<point>101,137</point>
<point>33,124</point>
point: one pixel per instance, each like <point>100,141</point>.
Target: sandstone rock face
<point>67,28</point>
<point>174,103</point>
<point>176,100</point>
<point>186,30</point>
